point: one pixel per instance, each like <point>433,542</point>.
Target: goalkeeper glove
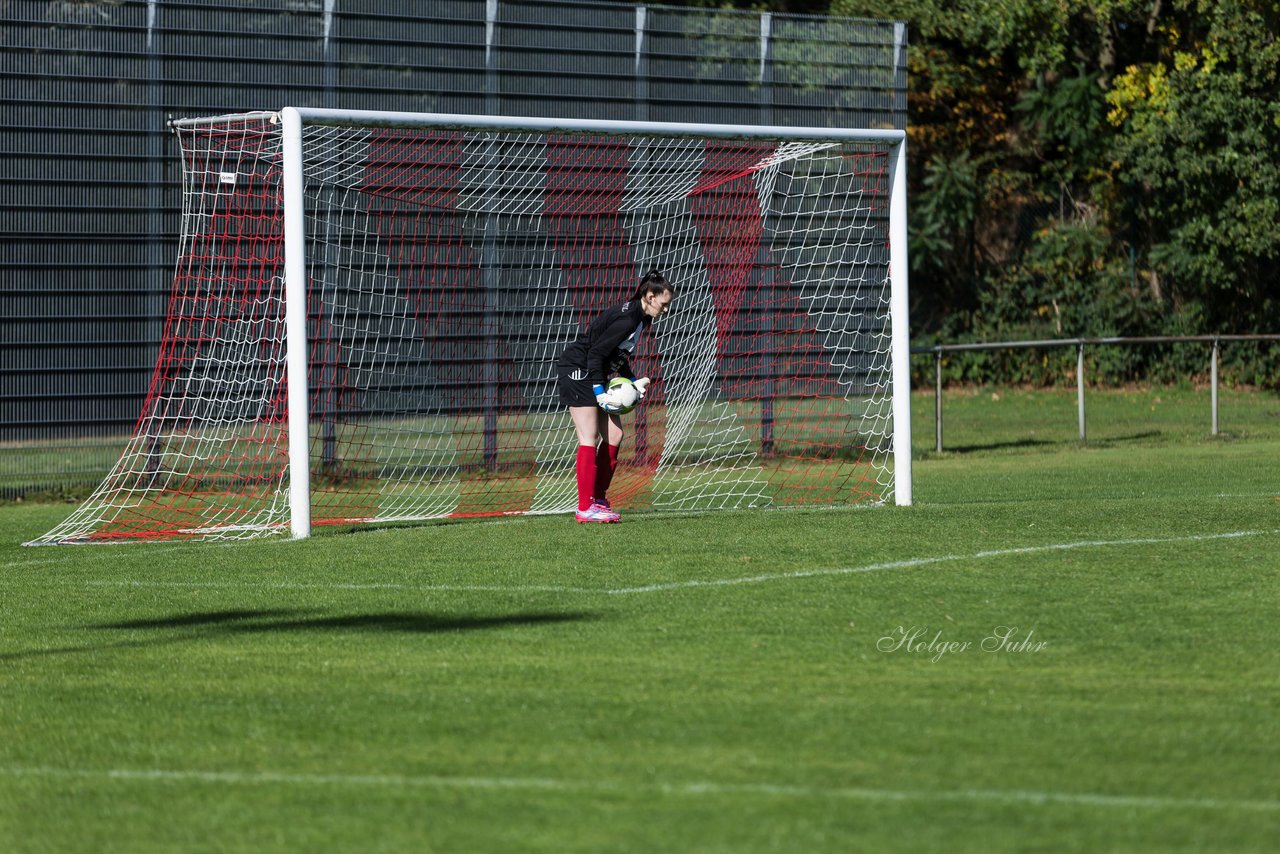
<point>605,400</point>
<point>640,384</point>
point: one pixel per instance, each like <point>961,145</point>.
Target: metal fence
<point>90,177</point>
<point>1215,342</point>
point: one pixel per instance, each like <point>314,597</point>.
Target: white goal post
<point>367,307</point>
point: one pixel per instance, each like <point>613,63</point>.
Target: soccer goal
<point>367,308</point>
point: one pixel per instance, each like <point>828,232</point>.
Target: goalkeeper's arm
<point>605,335</point>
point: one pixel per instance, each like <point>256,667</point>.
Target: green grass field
<point>1060,647</point>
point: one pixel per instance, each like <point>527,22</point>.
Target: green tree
<point>1090,166</point>
<point>973,171</point>
<point>1197,161</point>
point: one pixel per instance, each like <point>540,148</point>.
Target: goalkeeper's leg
<point>591,424</point>
<point>585,425</point>
<point>607,456</point>
<point>577,396</point>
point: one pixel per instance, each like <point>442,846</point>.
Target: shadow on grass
<point>211,618</point>
<point>999,446</point>
<point>244,622</point>
<point>1016,444</point>
<point>214,624</point>
<point>1102,441</point>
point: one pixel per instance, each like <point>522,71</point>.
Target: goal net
<point>367,310</point>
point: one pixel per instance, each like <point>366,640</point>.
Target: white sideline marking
<point>77,553</point>
<point>907,563</point>
<point>1034,798</point>
<point>390,585</point>
<point>910,563</point>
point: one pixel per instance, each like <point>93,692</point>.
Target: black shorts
<point>574,392</point>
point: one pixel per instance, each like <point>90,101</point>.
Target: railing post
<point>1080,386</point>
<point>1213,385</point>
<point>937,400</point>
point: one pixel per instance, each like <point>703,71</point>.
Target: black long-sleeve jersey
<point>607,344</point>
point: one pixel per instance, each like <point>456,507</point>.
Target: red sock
<point>586,475</point>
<point>606,462</point>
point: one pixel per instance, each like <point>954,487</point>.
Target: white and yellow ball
<point>624,394</point>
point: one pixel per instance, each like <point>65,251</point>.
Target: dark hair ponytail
<point>653,283</point>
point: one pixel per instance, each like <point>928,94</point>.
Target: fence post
<point>1080,386</point>
<point>937,400</point>
<point>766,68</point>
<point>642,63</point>
<point>1213,385</point>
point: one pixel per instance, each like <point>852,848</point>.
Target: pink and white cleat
<point>597,512</point>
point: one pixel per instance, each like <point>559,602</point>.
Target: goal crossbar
<point>532,124</point>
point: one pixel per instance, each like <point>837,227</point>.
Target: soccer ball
<point>624,392</point>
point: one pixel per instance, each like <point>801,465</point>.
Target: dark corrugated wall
<point>89,179</point>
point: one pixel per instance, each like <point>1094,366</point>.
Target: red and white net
<point>448,269</point>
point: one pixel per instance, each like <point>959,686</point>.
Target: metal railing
<point>1215,342</point>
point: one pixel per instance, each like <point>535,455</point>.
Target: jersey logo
<point>578,375</point>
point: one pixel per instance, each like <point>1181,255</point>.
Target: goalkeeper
<point>583,371</point>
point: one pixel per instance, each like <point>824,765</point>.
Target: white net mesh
<point>447,270</point>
